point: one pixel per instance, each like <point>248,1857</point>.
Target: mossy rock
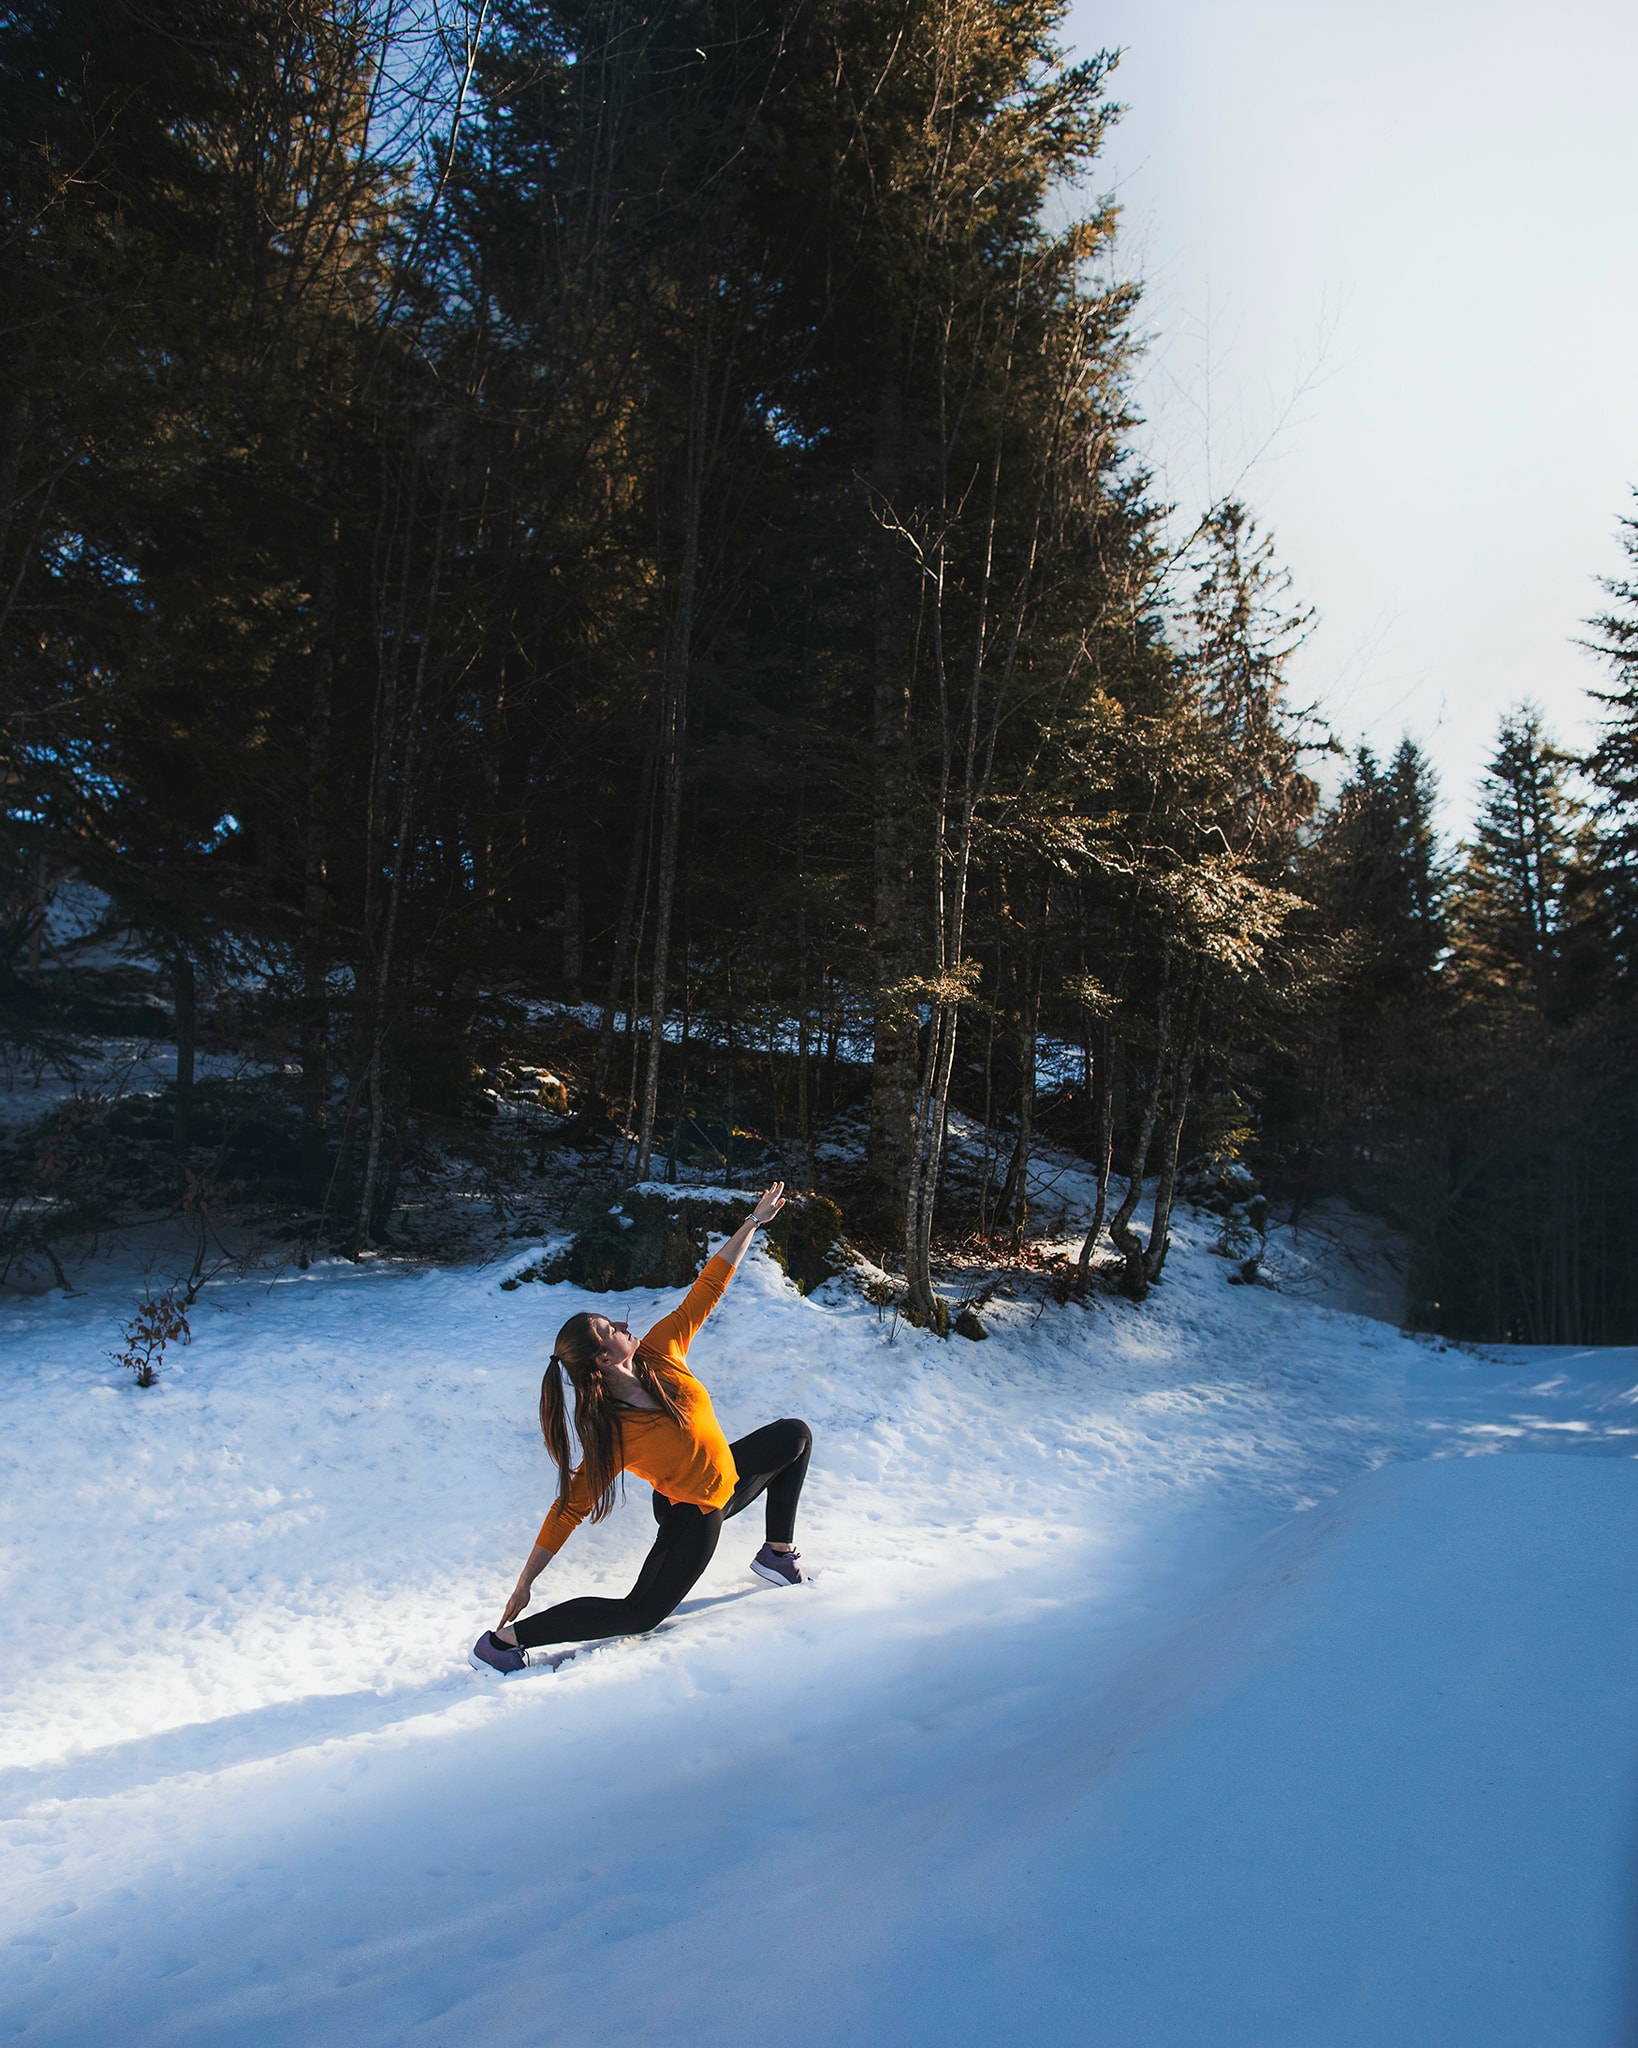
<point>967,1324</point>
<point>937,1319</point>
<point>656,1237</point>
<point>805,1239</point>
<point>632,1240</point>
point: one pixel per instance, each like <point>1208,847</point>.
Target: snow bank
<point>1010,1768</point>
<point>350,1456</point>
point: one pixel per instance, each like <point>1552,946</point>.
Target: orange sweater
<point>687,1460</point>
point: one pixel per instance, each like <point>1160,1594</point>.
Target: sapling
<point>160,1320</point>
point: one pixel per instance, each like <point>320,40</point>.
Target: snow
<point>113,1068</point>
<point>1396,1803</point>
<point>1185,1673</point>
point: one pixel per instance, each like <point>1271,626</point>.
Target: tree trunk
<point>1014,1203</point>
<point>833,1041</point>
<point>409,768</point>
<point>634,1038</point>
<point>895,1051</point>
<point>1154,1257</point>
<point>804,1021</point>
<point>674,717</point>
<point>314,1086</point>
<point>1103,1145</point>
<point>967,754</point>
<point>988,1142</point>
<point>708,391</point>
<point>572,931</point>
<point>1122,1236</point>
<point>922,1304</point>
<point>624,943</point>
<point>39,909</point>
<point>187,1018</point>
<point>12,443</point>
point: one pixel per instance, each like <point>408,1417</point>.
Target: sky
<point>1390,260</point>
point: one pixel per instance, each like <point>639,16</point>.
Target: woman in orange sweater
<point>637,1408</point>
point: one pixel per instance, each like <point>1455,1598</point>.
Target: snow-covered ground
<point>1176,1675</point>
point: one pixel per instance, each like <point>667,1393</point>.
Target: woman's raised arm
<point>768,1205</point>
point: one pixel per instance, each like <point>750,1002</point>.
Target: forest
<point>579,604</point>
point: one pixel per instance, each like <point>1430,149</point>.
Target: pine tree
<point>1613,764</point>
<point>1377,876</point>
<point>1240,637</point>
<point>1508,902</point>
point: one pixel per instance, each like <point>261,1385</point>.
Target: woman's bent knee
<point>640,1620</point>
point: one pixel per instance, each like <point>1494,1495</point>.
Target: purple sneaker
<point>778,1567</point>
<point>488,1653</point>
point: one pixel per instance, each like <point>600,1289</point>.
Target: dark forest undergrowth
<point>518,519</point>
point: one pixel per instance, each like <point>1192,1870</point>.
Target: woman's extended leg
<point>683,1546</point>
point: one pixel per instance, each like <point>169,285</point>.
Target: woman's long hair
<point>596,1413</point>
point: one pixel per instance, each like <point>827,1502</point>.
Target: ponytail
<point>554,1424</point>
<point>597,1419</point>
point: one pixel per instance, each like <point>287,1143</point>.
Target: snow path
<point>263,1800</point>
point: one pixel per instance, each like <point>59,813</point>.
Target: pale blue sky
<point>1391,262</point>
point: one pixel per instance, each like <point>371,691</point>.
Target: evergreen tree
<point>1378,878</point>
<point>1240,637</point>
<point>1613,765</point>
<point>1508,904</point>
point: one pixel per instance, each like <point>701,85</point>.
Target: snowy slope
<point>252,1794</point>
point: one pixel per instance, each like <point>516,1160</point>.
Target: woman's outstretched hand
<point>768,1205</point>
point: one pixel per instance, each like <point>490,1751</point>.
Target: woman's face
<point>615,1343</point>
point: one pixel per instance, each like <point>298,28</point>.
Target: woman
<point>637,1408</point>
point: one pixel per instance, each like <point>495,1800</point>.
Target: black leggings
<point>771,1460</point>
